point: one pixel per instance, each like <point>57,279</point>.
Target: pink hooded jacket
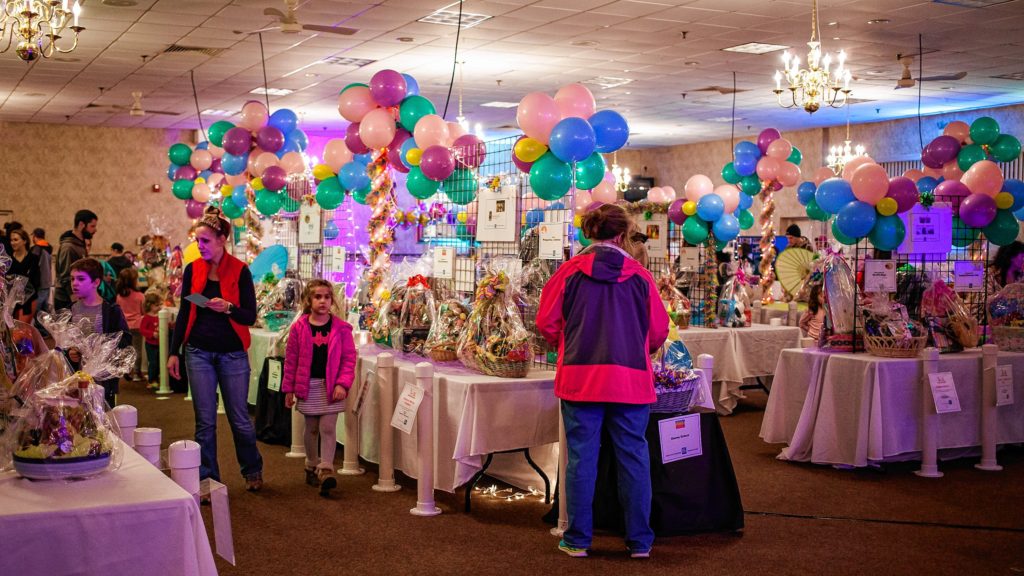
<point>341,357</point>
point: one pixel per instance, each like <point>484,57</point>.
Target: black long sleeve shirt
<point>212,331</point>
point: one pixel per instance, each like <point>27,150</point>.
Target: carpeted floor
<point>801,519</point>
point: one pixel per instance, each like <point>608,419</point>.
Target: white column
<point>386,377</point>
<point>425,443</point>
<point>929,419</point>
<point>164,317</point>
<point>298,448</point>
<point>989,411</point>
<point>183,457</point>
<point>147,444</point>
<point>563,463</point>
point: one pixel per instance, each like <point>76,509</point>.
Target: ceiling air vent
<point>721,90</point>
<point>179,49</point>
<point>346,61</point>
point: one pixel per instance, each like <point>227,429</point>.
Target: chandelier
<point>839,156</point>
<point>815,86</point>
<point>37,25</point>
<point>621,174</point>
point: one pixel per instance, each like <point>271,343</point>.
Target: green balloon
<point>550,178</point>
<point>289,204</point>
<point>590,171</point>
<point>330,193</point>
<point>796,156</point>
<point>412,109</point>
<point>840,237</point>
<point>360,194</point>
<point>419,185</point>
<point>730,175</point>
<point>1006,148</point>
<point>814,212</point>
<point>750,185</point>
<point>888,232</point>
<point>232,210</point>
<point>182,189</point>
<point>179,154</point>
<point>461,186</point>
<point>1003,230</point>
<point>584,241</point>
<point>984,130</point>
<point>695,230</point>
<point>970,155</point>
<point>963,235</point>
<point>267,202</point>
<point>217,131</point>
<point>353,85</point>
<point>746,219</point>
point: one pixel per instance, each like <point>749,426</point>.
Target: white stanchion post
<point>298,448</point>
<point>425,443</point>
<point>386,377</point>
<point>147,444</point>
<point>757,316</point>
<point>989,410</point>
<point>183,458</point>
<point>350,463</point>
<point>929,419</point>
<point>792,316</point>
<point>706,362</point>
<point>127,418</point>
<point>164,319</point>
<point>563,463</point>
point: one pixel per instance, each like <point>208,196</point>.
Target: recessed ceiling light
<point>608,81</point>
<point>447,17</point>
<point>879,21</point>
<point>836,38</point>
<point>405,38</point>
<point>271,91</point>
<point>755,48</point>
<point>833,23</point>
<point>585,43</point>
<point>500,104</point>
<point>628,93</point>
<point>691,63</point>
<point>311,75</point>
<point>216,112</point>
<point>723,119</point>
<point>119,3</point>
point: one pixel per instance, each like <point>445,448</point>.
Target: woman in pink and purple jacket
<point>319,366</point>
<point>603,312</point>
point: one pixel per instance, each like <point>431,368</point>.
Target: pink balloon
<point>933,172</point>
<point>293,163</point>
<point>254,116</point>
<point>437,162</point>
<point>952,171</point>
<point>337,154</point>
<point>455,131</point>
<point>959,130</point>
<point>669,191</point>
<point>914,174</point>
<point>984,177</point>
<point>355,103</point>
<point>537,115</point>
<point>575,101</point>
<point>604,193</point>
<point>236,179</point>
<point>353,141</point>
<point>431,130</point>
<point>377,128</point>
<point>581,201</point>
<point>264,161</point>
<point>201,192</point>
<point>730,196</point>
<point>951,191</point>
<point>822,174</point>
<point>654,195</point>
<point>789,173</point>
<point>870,183</point>
<point>609,178</point>
<point>251,165</point>
<point>780,149</point>
<point>852,165</point>
<point>214,180</point>
<point>697,187</point>
<point>217,151</point>
<point>201,159</point>
<point>768,168</point>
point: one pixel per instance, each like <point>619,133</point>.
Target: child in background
<point>812,320</point>
<point>319,368</point>
<point>130,300</point>
<point>149,326</point>
<point>104,317</point>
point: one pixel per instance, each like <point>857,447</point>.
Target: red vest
<point>229,270</point>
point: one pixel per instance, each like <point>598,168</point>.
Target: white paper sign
<point>1004,385</point>
<point>309,224</point>
<point>944,392</point>
<point>680,438</point>
<point>879,276</point>
<point>444,262</point>
<point>656,230</point>
<point>496,217</point>
<point>552,237</point>
<point>689,258</point>
<point>465,275</point>
<point>929,230</point>
<point>274,375</point>
<point>293,258</point>
<point>338,258</point>
<point>968,276</point>
<point>404,417</point>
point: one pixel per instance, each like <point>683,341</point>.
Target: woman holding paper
<point>218,304</point>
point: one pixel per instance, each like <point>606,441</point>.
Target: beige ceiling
<point>527,45</point>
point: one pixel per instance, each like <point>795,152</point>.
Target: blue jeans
<point>626,423</point>
<point>231,370</point>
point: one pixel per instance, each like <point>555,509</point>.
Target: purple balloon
<point>523,166</point>
<point>237,141</point>
<point>437,163</point>
<point>353,141</point>
<point>216,167</point>
<point>766,137</point>
<point>904,192</point>
<point>401,135</point>
<point>270,139</point>
<point>395,159</point>
<point>274,178</point>
<point>451,218</point>
<point>978,210</point>
<point>675,211</point>
<point>470,151</point>
<point>388,88</point>
<point>194,209</point>
<point>185,173</point>
<point>952,191</point>
<point>942,150</point>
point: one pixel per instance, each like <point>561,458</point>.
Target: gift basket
<point>950,325</point>
<point>449,321</point>
<point>677,305</point>
<point>278,301</point>
<point>676,384</point>
<point>889,332</point>
<point>495,341</point>
<point>840,290</point>
<point>529,285</point>
<point>1006,316</point>
<point>416,315</point>
<point>734,306</point>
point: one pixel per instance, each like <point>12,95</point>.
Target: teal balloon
<point>232,210</point>
<point>750,185</point>
<point>359,195</point>
<point>814,212</point>
<point>550,178</point>
<point>412,109</point>
<point>1006,148</point>
<point>352,85</point>
<point>796,156</point>
<point>970,155</point>
<point>888,233</point>
<point>746,219</point>
<point>461,186</point>
<point>584,241</point>
<point>182,189</point>
<point>419,185</point>
<point>984,130</point>
<point>730,175</point>
<point>462,231</point>
<point>330,193</point>
<point>590,171</point>
<point>964,235</point>
<point>1003,230</point>
<point>695,230</point>
<point>840,237</point>
<point>267,202</point>
<point>217,131</point>
<point>180,154</point>
<point>289,204</point>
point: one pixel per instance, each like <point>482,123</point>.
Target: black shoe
<point>311,478</point>
<point>327,482</point>
<point>254,482</point>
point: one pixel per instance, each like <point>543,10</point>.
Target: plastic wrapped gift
<point>529,284</point>
<point>677,305</point>
<point>889,331</point>
<point>951,327</point>
<point>495,341</point>
<point>676,384</point>
<point>416,315</point>
<point>449,322</point>
<point>1006,315</point>
<point>734,303</point>
<point>279,302</point>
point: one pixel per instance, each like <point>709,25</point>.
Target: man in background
<point>118,260</point>
<point>72,249</point>
<point>44,252</point>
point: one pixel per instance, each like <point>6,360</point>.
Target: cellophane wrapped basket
<point>889,332</point>
<point>1006,316</point>
<point>840,290</point>
<point>416,316</point>
<point>951,327</point>
<point>450,320</point>
<point>495,341</point>
<point>734,303</point>
<point>677,305</point>
<point>529,284</point>
<point>676,384</point>
<point>279,302</point>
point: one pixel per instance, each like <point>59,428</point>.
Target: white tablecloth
<point>132,521</point>
<point>261,346</point>
<point>853,409</point>
<point>740,354</point>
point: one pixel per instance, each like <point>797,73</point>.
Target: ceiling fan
<point>289,24</point>
<point>135,110</point>
<point>908,81</point>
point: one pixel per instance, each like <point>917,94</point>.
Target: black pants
<point>153,358</point>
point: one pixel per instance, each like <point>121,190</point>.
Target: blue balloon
<point>888,233</point>
<point>331,230</point>
<point>745,202</point>
<point>746,148</point>
<point>1019,214</point>
<point>289,146</point>
<point>572,140</point>
<point>284,120</point>
<point>205,174</point>
<point>927,184</point>
<point>856,219</point>
<point>365,159</point>
<point>726,228</point>
<point>781,242</point>
<point>805,192</point>
<point>534,217</point>
<point>234,165</point>
<point>610,130</point>
<point>409,144</point>
<point>353,176</point>
<point>833,194</point>
<point>204,145</point>
<point>745,164</point>
<point>171,170</point>
<point>238,196</point>
<point>711,207</point>
<point>1016,189</point>
<point>556,206</point>
<point>412,87</point>
<point>299,138</point>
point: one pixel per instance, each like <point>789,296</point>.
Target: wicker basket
<point>679,399</point>
<point>895,347</point>
<point>503,368</point>
<point>1008,338</point>
<point>442,355</point>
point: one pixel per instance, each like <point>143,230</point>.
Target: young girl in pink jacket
<point>319,366</point>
